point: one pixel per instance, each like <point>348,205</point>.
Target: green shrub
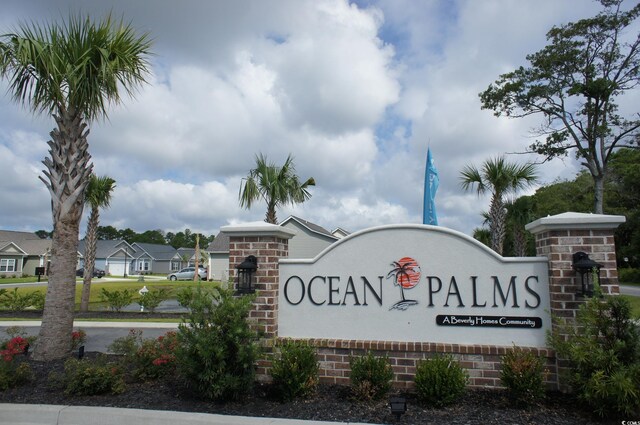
<point>13,374</point>
<point>128,345</point>
<point>370,377</point>
<point>156,357</point>
<point>628,275</point>
<point>440,380</point>
<point>86,377</point>
<point>523,375</point>
<point>116,300</point>
<point>604,356</point>
<point>12,371</point>
<point>185,296</point>
<point>15,301</point>
<point>152,299</point>
<point>294,370</point>
<point>149,358</point>
<point>217,350</point>
<point>37,300</point>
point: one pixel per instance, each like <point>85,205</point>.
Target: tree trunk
<point>598,193</point>
<point>68,171</point>
<point>89,257</point>
<point>271,215</point>
<point>497,217</point>
<point>519,241</point>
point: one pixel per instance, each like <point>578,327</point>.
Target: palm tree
<point>276,185</point>
<point>500,178</point>
<point>71,70</point>
<point>519,214</point>
<point>97,195</point>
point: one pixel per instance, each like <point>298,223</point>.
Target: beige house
<point>22,252</point>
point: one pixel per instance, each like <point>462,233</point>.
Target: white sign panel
<point>415,283</point>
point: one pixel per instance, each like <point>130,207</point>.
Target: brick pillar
<point>558,237</point>
<point>268,243</point>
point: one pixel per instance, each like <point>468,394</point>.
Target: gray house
<point>310,239</point>
<point>218,251</point>
<point>153,258</point>
<point>116,258</point>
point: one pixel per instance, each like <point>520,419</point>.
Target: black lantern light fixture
<point>398,406</point>
<point>586,267</point>
<point>246,269</point>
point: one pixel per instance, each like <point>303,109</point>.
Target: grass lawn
<point>27,279</point>
<point>635,305</point>
<point>97,285</point>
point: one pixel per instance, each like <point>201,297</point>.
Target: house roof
<point>104,248</point>
<point>35,246</point>
<point>156,251</point>
<point>10,235</point>
<point>310,226</point>
<point>340,231</point>
<point>5,244</point>
<point>186,251</point>
<point>220,243</point>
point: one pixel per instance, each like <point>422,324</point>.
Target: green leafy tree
<point>107,233</point>
<point>275,185</point>
<point>43,234</point>
<point>127,235</point>
<point>574,83</point>
<point>624,199</point>
<point>97,196</point>
<point>72,71</point>
<point>500,178</point>
<point>150,236</point>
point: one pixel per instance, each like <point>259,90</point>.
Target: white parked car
<point>187,274</point>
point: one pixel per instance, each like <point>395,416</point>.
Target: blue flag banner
<point>431,181</point>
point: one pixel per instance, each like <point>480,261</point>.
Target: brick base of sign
<point>482,362</point>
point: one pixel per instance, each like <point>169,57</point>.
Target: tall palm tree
<point>500,178</point>
<point>71,70</point>
<point>97,195</point>
<point>276,185</point>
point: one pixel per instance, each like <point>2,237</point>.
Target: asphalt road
<point>630,290</point>
<point>100,335</point>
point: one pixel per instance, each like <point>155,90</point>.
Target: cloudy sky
<point>355,91</point>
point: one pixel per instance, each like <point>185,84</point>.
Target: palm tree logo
<point>406,275</point>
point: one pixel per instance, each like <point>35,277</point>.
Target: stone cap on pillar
<point>258,228</point>
<point>574,220</point>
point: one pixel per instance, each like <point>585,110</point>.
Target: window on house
<point>7,265</point>
<point>175,266</point>
<point>143,265</point>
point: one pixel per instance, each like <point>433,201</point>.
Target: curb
<point>42,414</point>
<point>91,324</point>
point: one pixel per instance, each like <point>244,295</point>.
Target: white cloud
<point>354,93</point>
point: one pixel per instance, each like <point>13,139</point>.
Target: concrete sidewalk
<point>40,414</point>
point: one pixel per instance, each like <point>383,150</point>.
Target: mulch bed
<point>329,403</point>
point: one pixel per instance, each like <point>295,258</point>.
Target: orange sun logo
<point>406,274</point>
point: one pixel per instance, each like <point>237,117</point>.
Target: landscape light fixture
<point>246,269</point>
<point>587,268</point>
<point>398,406</point>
